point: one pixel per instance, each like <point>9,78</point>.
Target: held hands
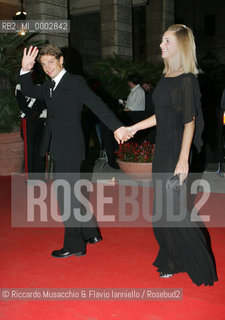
<point>123,134</point>
<point>29,57</point>
<point>132,130</point>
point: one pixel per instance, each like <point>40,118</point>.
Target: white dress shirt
<point>136,99</point>
<point>58,77</point>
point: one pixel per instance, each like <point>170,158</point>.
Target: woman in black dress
<point>182,245</point>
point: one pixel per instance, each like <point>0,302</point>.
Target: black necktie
<point>51,88</point>
<point>53,84</point>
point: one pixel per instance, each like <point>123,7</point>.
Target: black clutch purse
<point>173,183</point>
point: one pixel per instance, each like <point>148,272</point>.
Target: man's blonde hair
<point>186,43</point>
<point>50,50</point>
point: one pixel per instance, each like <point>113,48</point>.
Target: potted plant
<point>136,160</point>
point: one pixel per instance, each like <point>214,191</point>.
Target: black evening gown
<point>182,245</point>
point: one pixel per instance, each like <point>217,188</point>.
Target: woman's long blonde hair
<point>187,46</point>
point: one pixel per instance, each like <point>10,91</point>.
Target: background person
<point>136,98</point>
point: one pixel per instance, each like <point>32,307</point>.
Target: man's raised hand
<point>29,57</point>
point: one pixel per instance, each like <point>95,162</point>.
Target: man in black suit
<point>64,95</point>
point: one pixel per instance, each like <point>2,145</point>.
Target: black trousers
<point>76,230</point>
<point>31,132</point>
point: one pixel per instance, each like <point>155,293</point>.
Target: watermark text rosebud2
<point>118,203</point>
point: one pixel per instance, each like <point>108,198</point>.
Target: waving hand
<point>29,57</point>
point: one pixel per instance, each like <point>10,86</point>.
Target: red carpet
<point>123,260</point>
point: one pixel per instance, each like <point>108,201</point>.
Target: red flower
<point>132,152</point>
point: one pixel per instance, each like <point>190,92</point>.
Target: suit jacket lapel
<point>62,83</point>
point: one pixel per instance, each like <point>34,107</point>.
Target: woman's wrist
<point>135,127</point>
<point>183,158</point>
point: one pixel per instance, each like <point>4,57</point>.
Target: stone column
<point>159,15</point>
<point>49,10</point>
<point>116,27</point>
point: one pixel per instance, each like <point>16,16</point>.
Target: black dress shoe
<point>63,253</point>
<point>94,239</point>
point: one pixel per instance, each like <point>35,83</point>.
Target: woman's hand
<point>182,169</point>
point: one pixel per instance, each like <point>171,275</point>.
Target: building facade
<point>206,18</point>
<point>130,28</point>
